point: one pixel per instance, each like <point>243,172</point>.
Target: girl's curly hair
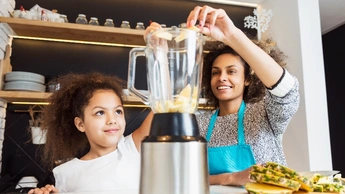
<point>64,140</point>
<point>255,91</point>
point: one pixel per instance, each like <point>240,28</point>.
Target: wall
<point>20,157</point>
<point>296,29</point>
<point>334,57</point>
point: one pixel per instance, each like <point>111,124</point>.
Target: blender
<point>174,155</point>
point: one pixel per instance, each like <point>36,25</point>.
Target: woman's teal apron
<point>232,158</point>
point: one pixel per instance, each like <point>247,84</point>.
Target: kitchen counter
<point>214,189</point>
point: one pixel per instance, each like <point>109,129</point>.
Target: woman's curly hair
<point>255,91</point>
<point>64,140</point>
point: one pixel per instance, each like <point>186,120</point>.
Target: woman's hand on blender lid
<point>152,27</point>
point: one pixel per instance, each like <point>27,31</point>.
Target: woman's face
<point>227,77</point>
<point>104,122</point>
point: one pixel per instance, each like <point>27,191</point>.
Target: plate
<point>310,174</point>
<point>24,76</point>
<point>24,86</point>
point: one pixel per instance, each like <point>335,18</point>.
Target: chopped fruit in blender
<point>183,34</point>
<point>164,35</point>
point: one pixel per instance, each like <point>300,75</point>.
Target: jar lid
<point>109,20</point>
<point>125,22</point>
<point>82,15</point>
<point>140,23</point>
<point>94,18</point>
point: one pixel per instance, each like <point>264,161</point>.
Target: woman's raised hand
<point>212,22</point>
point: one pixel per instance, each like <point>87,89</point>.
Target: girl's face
<point>104,122</point>
<point>227,78</point>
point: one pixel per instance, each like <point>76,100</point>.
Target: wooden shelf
<point>25,96</point>
<point>72,31</point>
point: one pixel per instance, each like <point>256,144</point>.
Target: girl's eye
<point>119,112</point>
<point>100,112</point>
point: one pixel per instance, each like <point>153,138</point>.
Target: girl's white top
<point>119,170</point>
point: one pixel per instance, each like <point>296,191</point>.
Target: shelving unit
<point>75,32</point>
<point>71,32</point>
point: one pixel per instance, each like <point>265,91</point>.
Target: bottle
<point>140,26</point>
<point>183,25</point>
<point>64,17</point>
<point>125,24</point>
<point>44,16</point>
<point>109,23</point>
<point>81,19</point>
<point>94,21</point>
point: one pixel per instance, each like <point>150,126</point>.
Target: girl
<point>88,111</point>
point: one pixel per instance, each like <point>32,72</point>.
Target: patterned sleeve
<point>282,103</point>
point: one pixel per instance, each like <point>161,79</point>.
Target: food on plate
<point>256,188</point>
<point>306,184</point>
<point>274,174</point>
<point>275,180</point>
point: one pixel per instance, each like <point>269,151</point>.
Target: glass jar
<point>140,26</point>
<point>81,19</point>
<point>64,17</point>
<point>94,21</point>
<point>109,23</point>
<point>125,24</point>
<point>183,25</point>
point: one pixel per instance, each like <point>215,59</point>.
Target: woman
<point>254,96</point>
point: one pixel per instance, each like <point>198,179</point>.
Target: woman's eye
<point>232,71</point>
<point>214,73</point>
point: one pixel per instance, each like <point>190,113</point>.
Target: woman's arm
<point>217,24</point>
<point>235,179</point>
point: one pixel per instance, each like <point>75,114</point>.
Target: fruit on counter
<point>328,185</point>
<point>289,173</point>
<point>262,169</point>
<point>277,175</point>
<point>275,180</point>
<point>257,188</point>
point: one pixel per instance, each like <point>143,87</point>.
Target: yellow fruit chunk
<point>259,188</point>
<point>194,28</point>
<point>164,35</point>
<point>183,34</point>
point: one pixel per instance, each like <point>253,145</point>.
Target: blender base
<point>174,168</point>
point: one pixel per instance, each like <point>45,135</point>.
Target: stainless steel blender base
<point>174,168</point>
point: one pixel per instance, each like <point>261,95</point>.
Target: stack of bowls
<point>24,81</point>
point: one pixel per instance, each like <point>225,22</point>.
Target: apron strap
<point>211,125</point>
<point>240,127</point>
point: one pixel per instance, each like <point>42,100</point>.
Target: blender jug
<point>174,155</point>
